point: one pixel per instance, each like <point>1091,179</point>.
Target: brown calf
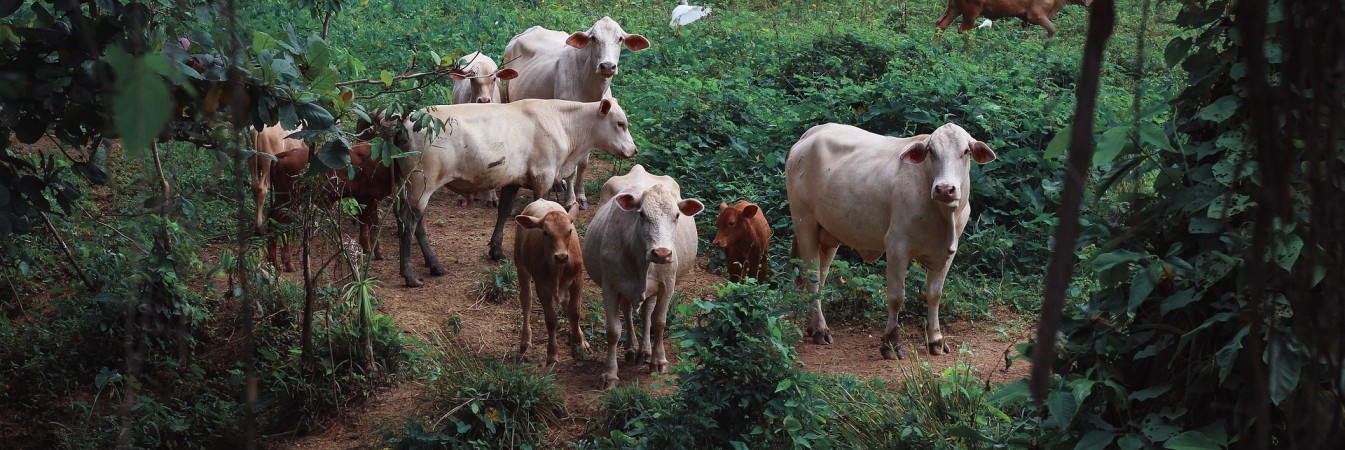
<point>547,253</point>
<point>745,238</point>
<point>372,183</point>
<point>1039,12</point>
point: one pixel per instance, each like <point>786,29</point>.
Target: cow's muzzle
<point>483,99</point>
<point>607,69</point>
<point>661,255</point>
<point>561,258</point>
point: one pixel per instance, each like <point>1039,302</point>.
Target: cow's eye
<point>622,125</point>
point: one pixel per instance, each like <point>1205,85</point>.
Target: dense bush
<point>483,403</point>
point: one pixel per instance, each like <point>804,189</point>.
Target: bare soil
<point>460,234</point>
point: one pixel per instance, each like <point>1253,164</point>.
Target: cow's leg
<point>647,311</point>
<point>493,198</point>
<point>431,260</point>
<point>576,188</point>
<point>949,14</point>
<point>938,272</point>
<point>968,21</point>
<point>896,295</point>
<point>375,228</point>
<point>503,213</point>
<point>826,252</point>
<point>525,287</point>
<point>659,362</point>
<point>1040,18</point>
<point>547,297</point>
<point>579,347</point>
<point>806,235</point>
<point>409,226</point>
<point>628,316</point>
<point>261,185</point>
<point>609,305</point>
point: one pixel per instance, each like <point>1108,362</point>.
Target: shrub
<point>483,403</point>
<point>498,285</point>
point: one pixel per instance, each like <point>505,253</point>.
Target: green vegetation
<point>137,311</point>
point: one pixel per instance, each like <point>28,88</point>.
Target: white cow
<point>638,243</point>
<point>478,81</point>
<point>578,66</point>
<point>529,143</point>
<point>906,197</point>
<point>272,141</point>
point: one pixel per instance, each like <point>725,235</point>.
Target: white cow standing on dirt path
<point>637,245</point>
<point>531,143</point>
<point>577,66</point>
<point>906,197</point>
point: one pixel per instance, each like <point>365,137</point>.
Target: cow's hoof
<point>937,346</point>
<point>583,204</point>
<point>631,355</point>
<point>609,381</point>
<point>582,352</point>
<point>550,361</point>
<point>378,257</point>
<point>492,204</point>
<point>658,367</point>
<point>438,270</point>
<point>414,282</point>
<point>822,337</point>
<point>892,351</point>
<point>497,254</point>
<point>289,269</point>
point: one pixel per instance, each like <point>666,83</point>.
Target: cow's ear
<point>690,206</point>
<point>528,222</point>
<point>635,42</point>
<point>981,152</point>
<point>573,212</point>
<point>458,75</point>
<point>579,39</point>
<point>627,202</point>
<point>506,74</point>
<point>751,210</point>
<point>723,206</point>
<point>604,107</point>
<point>916,153</point>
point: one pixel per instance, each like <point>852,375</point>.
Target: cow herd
<point>904,197</point>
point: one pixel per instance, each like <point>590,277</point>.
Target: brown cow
<point>1039,12</point>
<point>372,183</point>
<point>745,238</point>
<point>547,254</point>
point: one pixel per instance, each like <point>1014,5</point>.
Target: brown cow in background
<point>745,238</point>
<point>1039,12</point>
<point>372,183</point>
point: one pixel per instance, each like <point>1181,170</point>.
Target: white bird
<point>684,14</point>
<point>985,24</point>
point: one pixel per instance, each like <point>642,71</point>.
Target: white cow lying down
<point>906,197</point>
<point>642,239</point>
<point>484,146</point>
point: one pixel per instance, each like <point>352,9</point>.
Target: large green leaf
<point>1220,110</point>
<point>1112,143</point>
<point>1096,439</point>
<point>1285,368</point>
<point>141,106</point>
<point>1191,440</point>
<point>1062,406</point>
<point>1227,357</point>
<point>1058,143</point>
<point>335,154</point>
<point>315,117</point>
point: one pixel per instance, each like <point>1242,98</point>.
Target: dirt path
<point>459,235</point>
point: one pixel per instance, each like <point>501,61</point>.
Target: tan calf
<point>548,256</point>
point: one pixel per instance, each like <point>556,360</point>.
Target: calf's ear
<point>506,74</point>
<point>981,152</point>
<point>579,39</point>
<point>528,222</point>
<point>723,206</point>
<point>627,202</point>
<point>916,153</point>
<point>635,42</point>
<point>690,206</point>
<point>751,210</point>
<point>458,75</point>
<point>605,107</point>
<point>573,212</point>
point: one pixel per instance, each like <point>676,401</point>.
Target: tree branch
<point>1101,21</point>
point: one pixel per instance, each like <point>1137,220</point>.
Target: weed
<point>497,285</point>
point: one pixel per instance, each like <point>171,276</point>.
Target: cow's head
<point>612,135</point>
<point>604,43</point>
<point>558,232</point>
<point>732,223</point>
<point>659,210</point>
<point>948,153</point>
<point>484,76</point>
